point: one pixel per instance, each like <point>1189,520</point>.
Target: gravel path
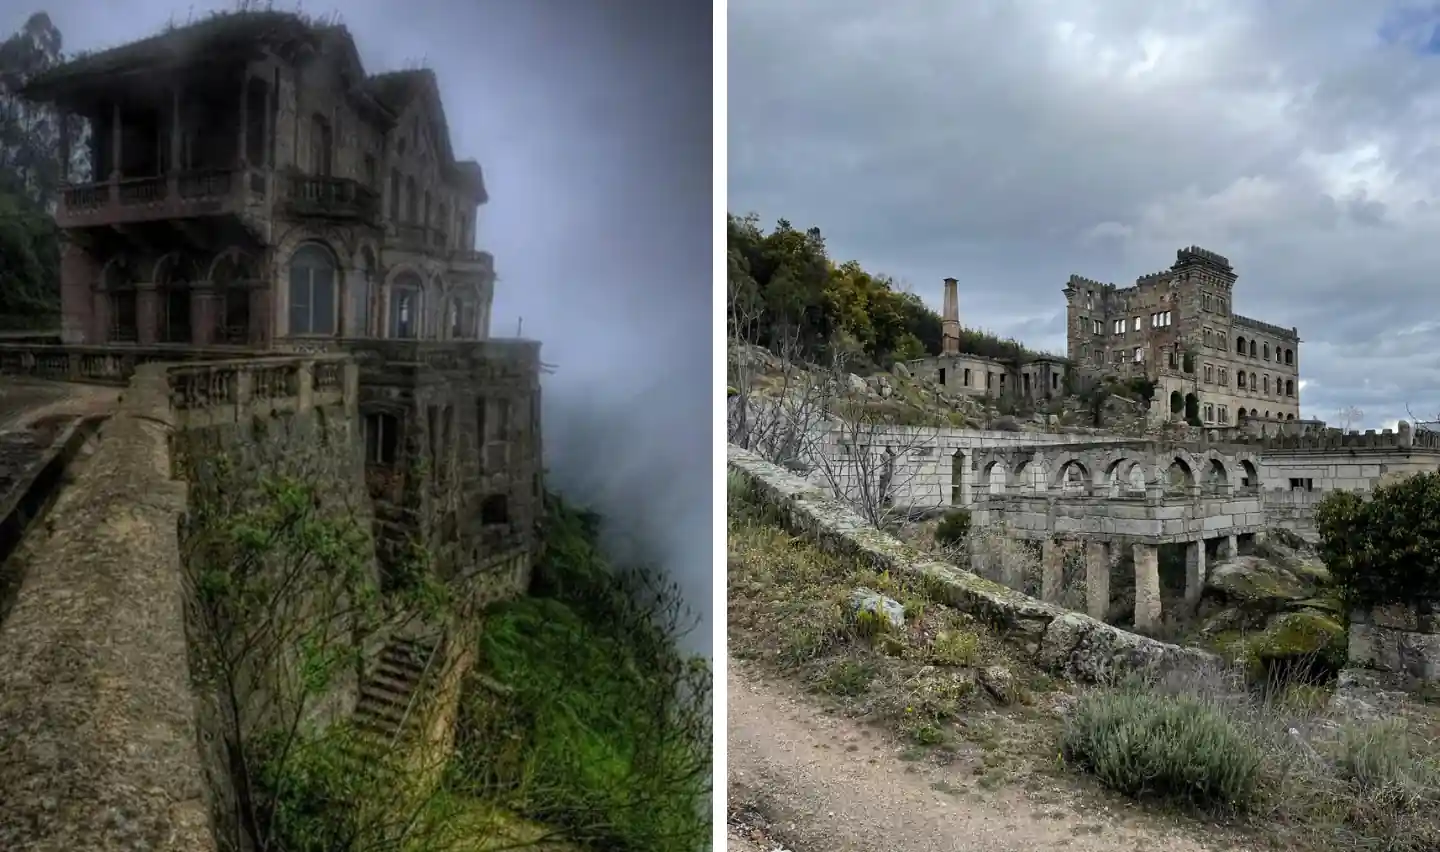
<point>804,781</point>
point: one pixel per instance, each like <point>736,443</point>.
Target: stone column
<point>1097,579</point>
<point>242,159</point>
<point>147,313</point>
<point>1147,587</point>
<point>1052,570</point>
<point>1194,571</point>
<point>202,313</point>
<point>1229,548</point>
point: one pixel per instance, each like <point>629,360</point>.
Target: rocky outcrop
<point>1276,607</point>
<point>1047,635</point>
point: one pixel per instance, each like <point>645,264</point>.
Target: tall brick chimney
<point>950,320</point>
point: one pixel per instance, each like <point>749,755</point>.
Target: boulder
<point>888,612</point>
<point>1254,579</point>
<point>1305,636</point>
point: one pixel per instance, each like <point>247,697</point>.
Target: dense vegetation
<point>588,699</point>
<point>783,285</point>
<point>29,181</point>
<point>1384,549</point>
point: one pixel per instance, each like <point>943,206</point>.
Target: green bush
<point>953,528</point>
<point>1143,743</point>
<point>1385,549</point>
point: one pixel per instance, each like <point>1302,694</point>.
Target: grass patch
<point>1271,757</point>
<point>791,612</point>
<point>583,713</point>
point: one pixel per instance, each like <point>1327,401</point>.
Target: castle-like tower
<point>1177,327</point>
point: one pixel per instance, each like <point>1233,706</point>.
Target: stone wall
<point>1047,635</point>
<point>1396,640</point>
<point>97,719</point>
<point>932,467</point>
<point>1292,510</point>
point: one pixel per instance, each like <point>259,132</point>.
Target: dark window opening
<point>495,510</point>
<point>382,432</point>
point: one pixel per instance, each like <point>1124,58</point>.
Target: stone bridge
<point>1139,495</point>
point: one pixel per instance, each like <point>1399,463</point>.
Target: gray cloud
<point>1010,144</point>
<point>593,123</point>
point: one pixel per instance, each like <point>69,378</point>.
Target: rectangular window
<point>1209,413</point>
<point>1209,374</point>
<point>1139,354</point>
<point>1224,376</point>
<point>1224,414</point>
<point>967,377</point>
<point>1137,323</point>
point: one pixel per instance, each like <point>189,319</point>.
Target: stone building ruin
<point>1121,498</point>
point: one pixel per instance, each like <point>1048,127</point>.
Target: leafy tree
<point>796,293</point>
<point>1385,549</point>
<point>30,178</point>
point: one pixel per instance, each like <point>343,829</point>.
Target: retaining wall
<point>1049,636</point>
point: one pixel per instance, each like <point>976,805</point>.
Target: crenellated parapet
<point>1239,321</point>
<point>1329,440</point>
<point>1195,255</point>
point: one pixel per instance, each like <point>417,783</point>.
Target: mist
<point>592,121</point>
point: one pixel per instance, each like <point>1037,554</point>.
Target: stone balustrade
<point>217,392</point>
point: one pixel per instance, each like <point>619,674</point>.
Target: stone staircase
<point>387,716</point>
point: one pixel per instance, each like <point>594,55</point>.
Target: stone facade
<point>1397,640</point>
<point>269,193</point>
<point>1035,378</point>
<point>1177,327</point>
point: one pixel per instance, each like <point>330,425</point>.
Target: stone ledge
<point>1056,639</point>
<point>98,740</point>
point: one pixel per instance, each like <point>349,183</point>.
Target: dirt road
<point>803,781</point>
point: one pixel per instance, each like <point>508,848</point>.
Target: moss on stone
<point>1300,634</point>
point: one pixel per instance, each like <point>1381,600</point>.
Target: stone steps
<point>386,715</point>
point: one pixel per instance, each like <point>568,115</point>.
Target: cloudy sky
<point>1010,143</point>
<point>592,119</point>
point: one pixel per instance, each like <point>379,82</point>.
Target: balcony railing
<point>470,257</point>
<point>333,198</point>
<point>175,195</point>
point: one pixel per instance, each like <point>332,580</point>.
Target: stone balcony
<point>179,195</point>
<point>331,198</point>
<point>470,260</point>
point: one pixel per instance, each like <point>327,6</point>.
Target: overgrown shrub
<point>953,528</point>
<point>1145,743</point>
<point>1385,549</point>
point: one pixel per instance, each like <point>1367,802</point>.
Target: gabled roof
<point>238,34</point>
<point>216,36</point>
<point>397,89</point>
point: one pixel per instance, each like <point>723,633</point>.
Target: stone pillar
<point>64,118</point>
<point>1194,571</point>
<point>1147,587</point>
<point>242,158</point>
<point>1052,570</point>
<point>1097,579</point>
<point>147,313</point>
<point>202,313</point>
<point>1229,548</point>
<point>950,320</point>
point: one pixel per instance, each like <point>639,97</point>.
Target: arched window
<point>1266,381</point>
<point>1253,385</point>
<point>1252,349</point>
<point>1289,387</point>
<point>1240,346</point>
<point>405,298</point>
<point>312,291</point>
<point>412,202</point>
<point>1289,357</point>
<point>395,195</point>
<point>1267,352</point>
<point>1240,378</point>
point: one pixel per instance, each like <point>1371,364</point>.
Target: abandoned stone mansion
<point>1177,326</point>
<point>276,254</point>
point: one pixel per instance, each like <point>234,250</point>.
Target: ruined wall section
<point>320,447</point>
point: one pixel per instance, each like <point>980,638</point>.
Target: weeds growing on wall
<point>582,693</point>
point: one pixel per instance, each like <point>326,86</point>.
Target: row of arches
<point>320,296</point>
<point>1262,350</point>
<point>1119,476</point>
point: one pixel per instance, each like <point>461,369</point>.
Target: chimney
<point>950,321</point>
